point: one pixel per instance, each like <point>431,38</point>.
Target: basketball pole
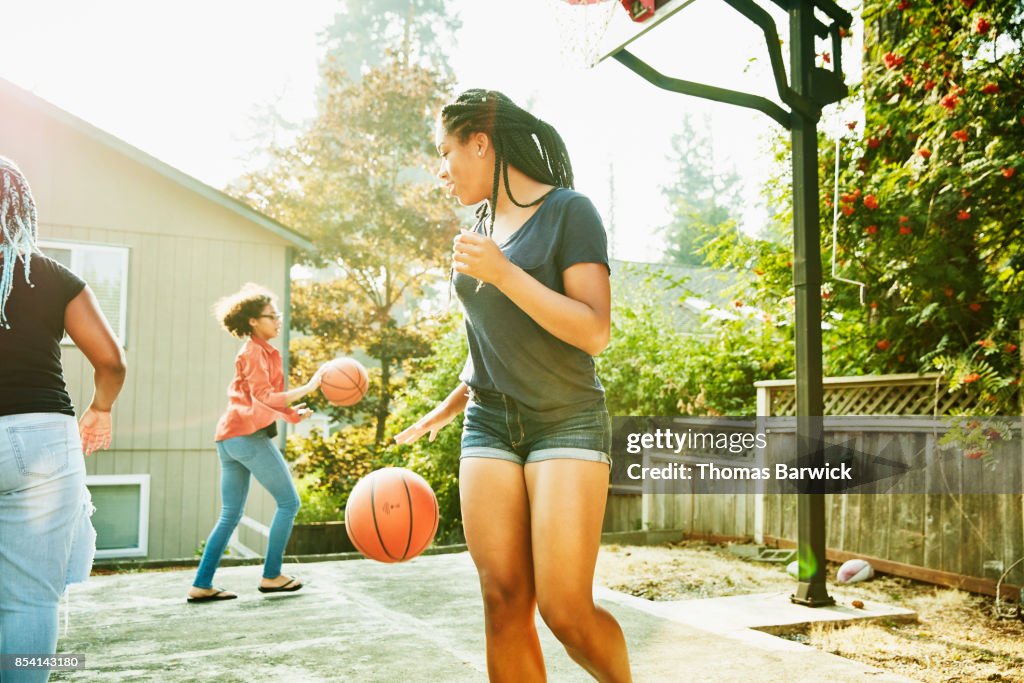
<point>810,406</point>
<point>811,88</point>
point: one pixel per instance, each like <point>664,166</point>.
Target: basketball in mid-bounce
<point>345,382</point>
<point>391,515</point>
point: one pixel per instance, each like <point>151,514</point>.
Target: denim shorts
<point>495,427</point>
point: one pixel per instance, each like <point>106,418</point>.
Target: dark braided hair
<point>520,139</point>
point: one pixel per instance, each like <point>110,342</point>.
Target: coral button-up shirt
<point>256,395</point>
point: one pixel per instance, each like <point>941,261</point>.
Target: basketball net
<point>581,28</point>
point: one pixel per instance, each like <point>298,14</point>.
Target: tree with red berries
<point>929,204</point>
<point>943,93</point>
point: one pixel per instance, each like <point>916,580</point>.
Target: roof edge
<point>189,182</point>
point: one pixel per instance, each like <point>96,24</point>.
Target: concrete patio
<point>419,621</point>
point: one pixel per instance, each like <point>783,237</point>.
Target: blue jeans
<point>46,535</point>
<point>495,427</point>
<point>240,456</point>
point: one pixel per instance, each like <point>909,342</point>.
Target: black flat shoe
<point>214,597</point>
<point>289,587</point>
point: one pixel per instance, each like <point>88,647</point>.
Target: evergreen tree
<point>417,30</point>
<point>702,199</point>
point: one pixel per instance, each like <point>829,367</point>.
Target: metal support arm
<point>707,92</point>
<point>764,21</point>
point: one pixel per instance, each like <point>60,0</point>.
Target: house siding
<point>185,251</point>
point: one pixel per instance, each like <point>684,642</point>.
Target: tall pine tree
<point>702,199</point>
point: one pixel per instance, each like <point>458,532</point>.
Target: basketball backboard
<point>622,30</point>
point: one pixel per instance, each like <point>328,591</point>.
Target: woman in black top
<point>46,537</point>
<point>533,477</point>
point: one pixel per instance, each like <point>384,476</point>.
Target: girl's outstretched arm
<point>437,418</point>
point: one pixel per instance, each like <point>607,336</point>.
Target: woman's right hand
<point>95,430</point>
<point>432,422</point>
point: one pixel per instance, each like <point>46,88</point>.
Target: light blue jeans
<point>240,456</point>
<point>46,536</point>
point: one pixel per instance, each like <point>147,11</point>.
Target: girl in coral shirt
<point>256,399</point>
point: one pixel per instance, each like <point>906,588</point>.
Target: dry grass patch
<point>684,571</point>
<point>956,640</point>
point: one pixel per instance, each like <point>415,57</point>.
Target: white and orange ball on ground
<point>345,382</point>
<point>854,571</point>
<point>391,515</point>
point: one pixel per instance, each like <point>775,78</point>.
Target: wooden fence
<point>952,537</point>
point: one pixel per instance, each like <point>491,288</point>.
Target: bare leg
<point>496,518</point>
<point>567,500</point>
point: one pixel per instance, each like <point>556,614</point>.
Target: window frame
<point>142,480</point>
<point>78,247</point>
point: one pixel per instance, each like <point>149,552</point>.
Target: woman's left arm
<point>581,316</point>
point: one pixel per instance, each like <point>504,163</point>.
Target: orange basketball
<point>391,515</point>
<point>345,382</point>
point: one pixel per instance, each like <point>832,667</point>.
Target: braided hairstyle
<point>520,140</point>
<point>17,229</point>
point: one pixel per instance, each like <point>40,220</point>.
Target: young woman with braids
<point>46,536</point>
<point>533,278</point>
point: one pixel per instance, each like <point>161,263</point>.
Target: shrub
<point>654,365</point>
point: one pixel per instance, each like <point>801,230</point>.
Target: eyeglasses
<point>272,316</point>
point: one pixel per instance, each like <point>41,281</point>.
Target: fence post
<point>764,403</point>
<point>645,498</point>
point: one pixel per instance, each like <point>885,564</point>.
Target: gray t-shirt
<point>508,351</point>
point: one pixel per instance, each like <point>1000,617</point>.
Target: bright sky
<point>183,82</point>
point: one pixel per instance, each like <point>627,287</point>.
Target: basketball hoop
<point>638,10</point>
<point>593,30</point>
<point>642,10</point>
<point>582,26</point>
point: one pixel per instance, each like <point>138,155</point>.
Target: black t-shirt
<point>508,351</point>
<point>31,376</point>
